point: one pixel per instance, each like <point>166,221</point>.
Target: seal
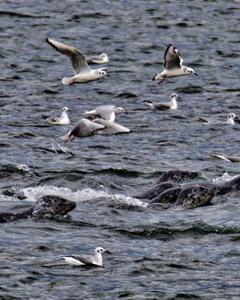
<point>178,176</point>
<point>167,198</point>
<point>46,206</point>
<point>194,195</point>
<point>156,190</point>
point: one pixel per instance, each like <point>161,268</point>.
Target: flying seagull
<point>173,65</point>
<point>83,73</point>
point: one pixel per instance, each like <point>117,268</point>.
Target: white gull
<point>83,73</point>
<point>173,65</point>
<point>81,260</point>
<point>172,104</point>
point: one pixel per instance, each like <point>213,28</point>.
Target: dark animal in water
<point>156,190</point>
<point>194,194</point>
<point>46,206</point>
<point>178,176</point>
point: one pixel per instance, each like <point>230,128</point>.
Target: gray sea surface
<point>157,254</point>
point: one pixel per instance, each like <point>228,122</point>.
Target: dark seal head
<point>178,176</point>
<point>195,196</point>
<point>46,206</point>
<point>52,205</point>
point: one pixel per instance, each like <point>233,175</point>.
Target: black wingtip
<point>154,77</point>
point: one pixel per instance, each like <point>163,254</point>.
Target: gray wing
<point>172,58</point>
<point>162,106</point>
<point>86,128</point>
<point>52,120</point>
<point>77,58</point>
<point>85,259</point>
<point>111,127</point>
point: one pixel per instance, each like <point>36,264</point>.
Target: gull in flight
<point>106,112</point>
<point>172,104</point>
<point>84,128</point>
<point>83,73</point>
<point>173,65</point>
<point>62,120</point>
<point>90,260</point>
<point>105,115</point>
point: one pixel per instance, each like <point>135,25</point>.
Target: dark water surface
<point>172,254</point>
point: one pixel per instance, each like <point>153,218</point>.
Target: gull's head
<point>102,72</point>
<point>104,57</point>
<point>120,110</point>
<point>232,118</point>
<point>101,250</point>
<point>190,71</point>
<point>173,96</point>
<point>65,108</point>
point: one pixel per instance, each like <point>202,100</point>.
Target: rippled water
<point>172,254</point>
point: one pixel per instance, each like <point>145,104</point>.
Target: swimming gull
<point>231,119</point>
<point>172,104</point>
<point>173,65</point>
<point>62,120</point>
<point>90,260</point>
<point>106,112</point>
<point>83,73</point>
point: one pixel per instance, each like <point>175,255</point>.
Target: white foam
<point>84,195</point>
<point>224,178</point>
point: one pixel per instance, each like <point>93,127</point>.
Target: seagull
<point>110,127</point>
<point>173,65</point>
<point>84,128</point>
<point>100,59</point>
<point>231,119</point>
<point>83,73</point>
<point>107,112</point>
<point>62,120</point>
<point>92,260</point>
<point>172,104</point>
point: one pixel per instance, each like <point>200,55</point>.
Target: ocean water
<point>157,254</point>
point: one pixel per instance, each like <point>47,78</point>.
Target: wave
<point>79,196</point>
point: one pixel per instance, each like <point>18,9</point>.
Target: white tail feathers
<point>67,81</point>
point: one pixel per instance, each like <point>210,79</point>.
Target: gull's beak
<point>108,75</point>
<point>108,252</point>
<point>236,119</point>
<point>125,111</point>
<point>196,74</point>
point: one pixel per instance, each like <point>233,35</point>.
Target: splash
<point>224,178</point>
<point>84,195</point>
